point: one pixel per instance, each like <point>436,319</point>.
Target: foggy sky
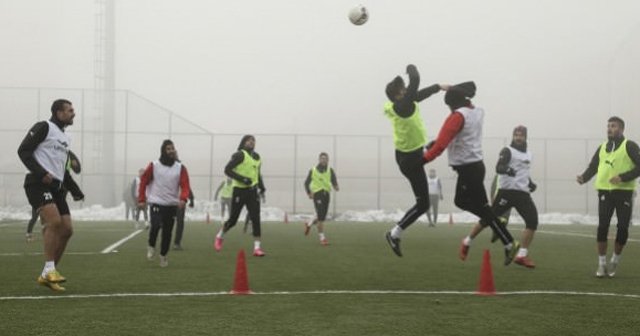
<point>282,66</point>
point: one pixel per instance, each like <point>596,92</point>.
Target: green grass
<point>358,260</point>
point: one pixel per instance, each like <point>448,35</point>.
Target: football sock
<point>396,232</point>
<point>602,260</point>
<point>256,244</point>
<point>615,258</point>
<point>522,252</point>
<point>321,235</point>
<point>219,235</point>
<point>48,267</point>
<point>467,241</point>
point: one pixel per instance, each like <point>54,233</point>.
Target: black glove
<point>430,144</point>
<point>412,70</point>
<point>246,180</point>
<point>77,196</point>
<point>263,198</point>
<point>511,172</point>
<point>532,187</point>
<point>191,204</point>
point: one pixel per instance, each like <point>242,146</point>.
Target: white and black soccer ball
<point>358,15</point>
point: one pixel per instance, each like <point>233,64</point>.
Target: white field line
<point>21,254</point>
<point>575,234</point>
<point>12,224</point>
<point>115,245</point>
<point>112,247</point>
<point>329,292</point>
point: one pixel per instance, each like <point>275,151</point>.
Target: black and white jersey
<point>45,149</point>
<point>521,163</point>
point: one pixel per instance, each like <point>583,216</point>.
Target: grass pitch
<point>355,286</point>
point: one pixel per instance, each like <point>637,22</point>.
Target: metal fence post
<point>295,170</point>
<point>335,164</point>
<point>379,172</point>
<point>211,152</point>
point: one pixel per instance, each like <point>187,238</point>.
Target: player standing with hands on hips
<point>616,165</point>
<point>409,138</point>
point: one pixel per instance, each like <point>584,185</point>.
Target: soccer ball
<point>358,15</point>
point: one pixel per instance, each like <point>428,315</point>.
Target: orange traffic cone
<point>485,286</point>
<point>450,219</point>
<point>208,219</point>
<point>286,218</point>
<point>241,281</point>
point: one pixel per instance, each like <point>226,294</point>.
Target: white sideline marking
<point>10,224</point>
<point>365,292</point>
<point>14,254</point>
<point>115,245</point>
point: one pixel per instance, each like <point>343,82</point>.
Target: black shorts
<point>321,203</point>
<point>40,194</point>
<point>505,200</point>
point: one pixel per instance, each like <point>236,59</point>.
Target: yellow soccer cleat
<point>52,285</point>
<point>54,277</point>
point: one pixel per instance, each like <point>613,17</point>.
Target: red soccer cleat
<point>218,244</point>
<point>258,253</point>
<point>525,261</point>
<point>324,242</point>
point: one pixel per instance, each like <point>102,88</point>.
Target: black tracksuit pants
<point>471,196</point>
<point>162,219</point>
<point>412,167</point>
<point>180,213</point>
<point>621,202</point>
<point>244,197</point>
<point>321,203</point>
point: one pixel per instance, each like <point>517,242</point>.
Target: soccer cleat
<point>307,228</point>
<point>177,247</point>
<point>54,277</point>
<point>258,252</point>
<point>394,243</point>
<point>611,270</point>
<point>525,261</point>
<point>52,285</point>
<point>510,254</point>
<point>164,262</point>
<point>324,242</point>
<point>464,251</point>
<point>151,251</point>
<point>217,244</point>
<point>29,237</point>
<point>601,272</point>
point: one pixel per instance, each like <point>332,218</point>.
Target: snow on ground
<point>212,210</point>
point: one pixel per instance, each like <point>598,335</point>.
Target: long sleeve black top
<point>632,150</point>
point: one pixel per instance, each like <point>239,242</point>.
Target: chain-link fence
<point>113,146</point>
